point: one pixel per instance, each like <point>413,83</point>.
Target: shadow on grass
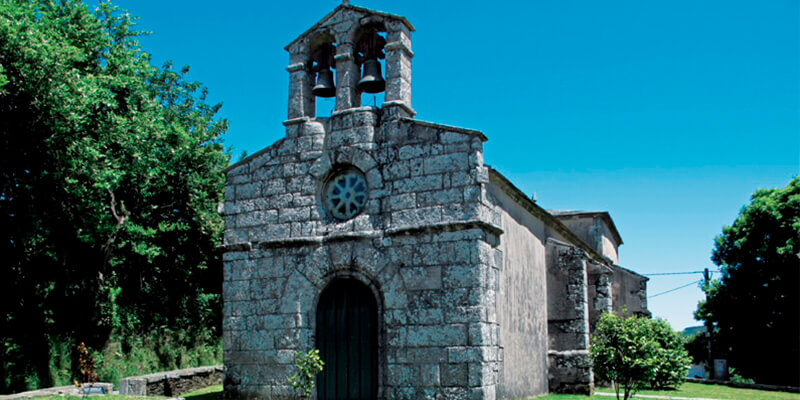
<point>206,393</point>
<point>205,396</point>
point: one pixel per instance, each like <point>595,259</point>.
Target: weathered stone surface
<point>172,383</point>
<point>568,319</point>
<point>570,372</point>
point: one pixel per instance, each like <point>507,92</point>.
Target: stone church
<point>387,243</point>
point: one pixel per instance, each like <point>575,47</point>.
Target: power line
<point>675,273</point>
<point>680,273</point>
<point>672,290</point>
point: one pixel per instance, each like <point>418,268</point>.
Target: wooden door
<point>347,337</point>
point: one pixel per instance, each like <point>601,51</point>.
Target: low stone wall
<point>757,386</point>
<point>71,390</point>
<point>172,383</point>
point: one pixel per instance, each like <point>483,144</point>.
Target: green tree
<point>637,352</point>
<point>754,305</point>
<point>697,347</point>
<point>111,176</point>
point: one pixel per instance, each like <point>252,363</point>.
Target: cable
<point>710,271</point>
<point>676,273</point>
<point>672,290</point>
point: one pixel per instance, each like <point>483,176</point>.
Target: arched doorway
<point>347,338</point>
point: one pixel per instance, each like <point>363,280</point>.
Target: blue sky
<point>666,114</point>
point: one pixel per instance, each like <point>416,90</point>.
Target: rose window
<point>345,194</point>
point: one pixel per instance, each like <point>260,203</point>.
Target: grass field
<point>691,390</point>
<point>695,390</point>
<point>718,392</point>
<point>208,393</point>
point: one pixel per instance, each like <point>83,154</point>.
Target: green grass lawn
<point>696,390</point>
<point>718,392</point>
<point>206,393</point>
<point>98,397</point>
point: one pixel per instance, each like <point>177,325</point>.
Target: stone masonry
<point>568,319</point>
<point>425,243</point>
<point>480,294</point>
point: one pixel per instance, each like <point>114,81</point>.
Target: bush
<point>672,360</point>
<point>735,377</point>
<point>131,355</point>
<point>308,366</point>
<point>163,350</point>
<point>633,353</point>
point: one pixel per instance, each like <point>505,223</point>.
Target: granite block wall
<point>425,244</point>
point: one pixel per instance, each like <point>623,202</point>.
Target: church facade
<point>388,244</point>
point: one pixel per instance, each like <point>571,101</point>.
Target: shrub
<point>162,350</point>
<point>735,377</point>
<point>633,353</point>
<point>308,366</point>
<point>672,359</point>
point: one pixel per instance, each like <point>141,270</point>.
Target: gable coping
<point>353,8</point>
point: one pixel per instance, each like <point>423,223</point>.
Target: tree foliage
<point>754,306</point>
<point>637,352</point>
<point>111,172</point>
<point>697,347</point>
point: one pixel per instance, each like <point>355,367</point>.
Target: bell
<point>324,86</point>
<point>371,79</point>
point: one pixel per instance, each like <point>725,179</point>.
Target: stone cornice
<point>445,226</point>
<point>399,46</point>
<point>360,235</point>
<point>354,110</point>
<point>295,121</point>
<point>450,128</point>
<point>254,155</point>
<point>401,104</point>
<point>296,67</point>
<point>343,56</point>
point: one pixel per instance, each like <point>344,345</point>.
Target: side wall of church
<point>522,300</point>
<point>629,291</point>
